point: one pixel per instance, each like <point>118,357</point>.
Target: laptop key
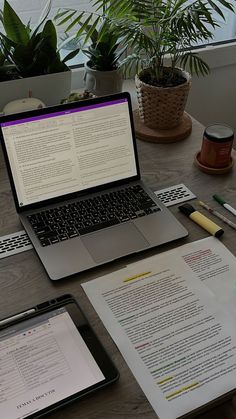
<point>62,237</point>
<point>45,242</point>
<point>132,216</point>
<point>87,223</point>
<point>71,235</point>
<point>140,213</point>
<point>148,204</point>
<point>111,216</point>
<point>42,230</point>
<point>54,240</point>
<point>50,235</point>
<point>123,218</point>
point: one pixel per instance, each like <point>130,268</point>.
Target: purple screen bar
<point>64,112</point>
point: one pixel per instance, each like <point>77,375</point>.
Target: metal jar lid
<point>219,133</point>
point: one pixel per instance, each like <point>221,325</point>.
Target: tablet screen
<point>43,360</point>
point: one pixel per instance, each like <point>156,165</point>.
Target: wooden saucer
<point>211,170</point>
<point>182,131</point>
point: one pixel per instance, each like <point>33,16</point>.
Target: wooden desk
<point>24,282</point>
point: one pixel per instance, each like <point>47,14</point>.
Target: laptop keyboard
<point>88,215</point>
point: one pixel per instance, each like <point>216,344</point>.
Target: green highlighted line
<point>181,390</point>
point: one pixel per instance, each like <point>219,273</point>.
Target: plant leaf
<point>71,55</point>
<point>14,27</point>
<point>49,32</point>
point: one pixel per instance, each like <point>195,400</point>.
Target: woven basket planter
<point>162,107</point>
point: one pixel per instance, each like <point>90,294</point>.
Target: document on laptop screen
<point>42,361</point>
<point>69,151</point>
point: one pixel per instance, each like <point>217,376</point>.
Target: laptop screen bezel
<point>57,108</point>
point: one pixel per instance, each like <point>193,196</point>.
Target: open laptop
<point>76,183</point>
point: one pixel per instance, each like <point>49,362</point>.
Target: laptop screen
<point>69,150</point>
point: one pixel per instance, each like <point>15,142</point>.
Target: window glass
<point>227,28</point>
<point>31,10</point>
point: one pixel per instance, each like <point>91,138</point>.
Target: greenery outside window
<point>31,10</point>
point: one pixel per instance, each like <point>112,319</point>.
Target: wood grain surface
<point>24,282</point>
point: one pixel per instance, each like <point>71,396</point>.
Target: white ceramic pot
<point>102,83</point>
<point>49,88</point>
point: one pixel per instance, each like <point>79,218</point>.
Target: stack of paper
<point>171,317</point>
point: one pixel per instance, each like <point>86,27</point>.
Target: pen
<point>201,220</point>
<point>222,202</point>
<point>217,214</point>
<point>17,316</point>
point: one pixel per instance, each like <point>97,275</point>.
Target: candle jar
<point>216,146</point>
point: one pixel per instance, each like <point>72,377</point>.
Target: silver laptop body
<point>74,157</point>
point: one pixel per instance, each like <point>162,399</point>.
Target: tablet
<point>49,356</point>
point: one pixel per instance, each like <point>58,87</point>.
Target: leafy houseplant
<point>103,52</point>
<point>102,73</point>
<point>30,52</point>
<point>155,29</point>
<point>27,52</point>
<point>102,47</point>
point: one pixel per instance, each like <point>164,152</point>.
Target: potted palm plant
<point>101,44</point>
<point>154,30</point>
<point>30,59</point>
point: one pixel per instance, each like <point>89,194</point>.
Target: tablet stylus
<point>17,316</point>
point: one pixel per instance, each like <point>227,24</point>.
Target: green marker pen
<point>224,204</point>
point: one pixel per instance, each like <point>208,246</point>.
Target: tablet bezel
<point>91,340</point>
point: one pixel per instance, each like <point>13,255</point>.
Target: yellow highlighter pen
<point>201,220</point>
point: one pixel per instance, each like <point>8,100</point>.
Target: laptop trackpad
<point>114,242</point>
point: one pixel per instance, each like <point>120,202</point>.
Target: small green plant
<point>75,97</point>
<point>101,40</point>
<point>27,52</point>
<point>155,29</point>
<point>104,52</point>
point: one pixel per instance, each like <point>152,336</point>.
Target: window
<point>30,10</point>
<point>227,30</point>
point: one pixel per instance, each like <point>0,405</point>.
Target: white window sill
<point>77,83</point>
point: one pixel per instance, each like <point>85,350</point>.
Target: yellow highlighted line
<point>181,390</point>
<point>165,380</point>
<point>136,276</point>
